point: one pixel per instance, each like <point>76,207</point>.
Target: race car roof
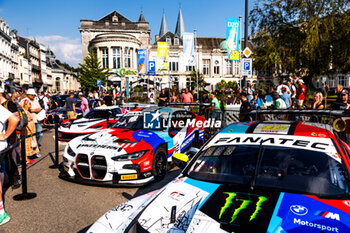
<point>295,128</point>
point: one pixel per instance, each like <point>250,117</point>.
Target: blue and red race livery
<point>135,150</point>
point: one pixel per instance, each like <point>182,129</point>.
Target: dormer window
<point>114,19</point>
<point>176,41</point>
<point>168,40</point>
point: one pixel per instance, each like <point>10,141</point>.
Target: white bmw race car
<point>92,122</point>
<point>135,150</point>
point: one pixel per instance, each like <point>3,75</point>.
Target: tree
<point>91,71</point>
<point>193,81</point>
<point>307,38</point>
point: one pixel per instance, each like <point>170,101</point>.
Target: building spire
<point>180,25</point>
<point>163,27</point>
<point>142,18</point>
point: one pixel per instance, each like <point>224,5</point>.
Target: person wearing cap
<point>300,94</point>
<point>35,109</point>
<point>84,106</point>
<point>343,104</point>
<point>70,106</point>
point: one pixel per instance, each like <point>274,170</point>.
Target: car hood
<point>118,141</point>
<point>196,206</point>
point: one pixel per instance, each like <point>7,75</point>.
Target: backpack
<point>23,119</point>
<point>23,122</point>
<point>41,102</point>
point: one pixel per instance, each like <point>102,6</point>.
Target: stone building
<point>116,40</point>
<point>5,53</point>
<point>62,80</point>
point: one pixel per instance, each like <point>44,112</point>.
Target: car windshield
<point>130,121</point>
<point>292,169</point>
<point>98,114</point>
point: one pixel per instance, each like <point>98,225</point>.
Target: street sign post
<point>247,66</point>
<point>247,52</point>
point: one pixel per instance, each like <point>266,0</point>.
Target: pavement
<point>62,206</point>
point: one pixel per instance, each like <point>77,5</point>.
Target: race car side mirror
<point>180,160</point>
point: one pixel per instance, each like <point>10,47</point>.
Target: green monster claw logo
<point>233,196</point>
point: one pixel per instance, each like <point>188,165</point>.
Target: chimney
<point>157,37</point>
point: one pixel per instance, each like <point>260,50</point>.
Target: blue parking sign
<point>151,66</point>
<point>98,82</point>
<point>246,66</point>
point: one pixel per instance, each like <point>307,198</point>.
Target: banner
<point>232,39</point>
<point>141,61</point>
<point>162,55</point>
<point>188,43</point>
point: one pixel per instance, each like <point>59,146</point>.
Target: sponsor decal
<point>314,134</point>
<point>245,200</point>
<point>178,180</point>
<point>98,146</point>
<point>347,203</point>
<point>299,210</point>
<point>128,177</point>
<point>187,141</point>
<point>272,128</point>
<point>176,195</point>
<point>146,163</point>
<point>322,227</point>
<point>330,215</point>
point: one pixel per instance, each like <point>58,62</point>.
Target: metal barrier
<point>25,195</point>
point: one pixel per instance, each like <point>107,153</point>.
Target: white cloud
<point>66,49</point>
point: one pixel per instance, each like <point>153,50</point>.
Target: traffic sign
<point>151,66</point>
<point>247,66</point>
<point>247,52</point>
<point>98,82</point>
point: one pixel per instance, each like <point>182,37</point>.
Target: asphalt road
<point>62,206</point>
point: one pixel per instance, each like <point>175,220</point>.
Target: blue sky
<point>55,23</point>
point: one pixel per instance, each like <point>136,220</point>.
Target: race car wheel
<point>160,162</point>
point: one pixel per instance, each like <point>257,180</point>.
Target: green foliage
<point>227,85</point>
<point>91,71</point>
<point>305,38</point>
<point>193,81</point>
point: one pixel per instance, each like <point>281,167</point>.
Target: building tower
<point>163,27</point>
<point>180,25</point>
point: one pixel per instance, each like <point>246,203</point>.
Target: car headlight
<point>131,156</point>
<point>70,151</point>
<point>66,125</point>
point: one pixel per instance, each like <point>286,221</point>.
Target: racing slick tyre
<point>159,165</point>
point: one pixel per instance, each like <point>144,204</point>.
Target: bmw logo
<point>91,153</point>
<point>299,209</point>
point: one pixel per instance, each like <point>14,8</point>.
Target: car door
<point>183,133</point>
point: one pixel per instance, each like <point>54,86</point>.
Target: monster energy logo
<point>238,198</point>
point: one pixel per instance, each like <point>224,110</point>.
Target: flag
<point>162,55</point>
<point>232,39</point>
<point>141,61</point>
<point>188,49</point>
